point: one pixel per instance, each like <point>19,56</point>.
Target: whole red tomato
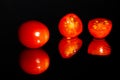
<point>34,61</point>
<point>99,27</point>
<point>33,34</point>
<point>70,25</point>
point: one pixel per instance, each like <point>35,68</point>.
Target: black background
<point>14,12</point>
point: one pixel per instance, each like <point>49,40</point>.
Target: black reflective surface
<point>14,13</point>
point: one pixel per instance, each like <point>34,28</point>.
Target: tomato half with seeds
<point>100,27</point>
<point>70,25</point>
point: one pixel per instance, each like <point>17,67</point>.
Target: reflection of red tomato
<point>99,27</point>
<point>99,47</point>
<point>33,34</point>
<point>70,25</point>
<point>34,61</point>
<point>69,47</point>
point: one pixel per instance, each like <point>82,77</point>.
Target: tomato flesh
<point>70,25</point>
<point>99,27</point>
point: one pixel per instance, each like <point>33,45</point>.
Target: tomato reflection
<point>69,47</point>
<point>99,47</point>
<point>34,61</point>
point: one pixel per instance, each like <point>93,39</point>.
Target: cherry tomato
<point>33,34</point>
<point>99,48</point>
<point>34,62</point>
<point>99,27</point>
<point>69,47</point>
<point>70,25</point>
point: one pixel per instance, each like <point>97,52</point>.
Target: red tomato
<point>69,47</point>
<point>33,34</point>
<point>99,27</point>
<point>70,25</point>
<point>34,61</point>
<point>99,48</point>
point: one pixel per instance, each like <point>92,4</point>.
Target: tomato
<point>70,25</point>
<point>33,34</point>
<point>99,27</point>
<point>99,47</point>
<point>34,61</point>
<point>69,47</point>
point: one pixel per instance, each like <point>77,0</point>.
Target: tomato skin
<point>99,27</point>
<point>99,47</point>
<point>69,47</point>
<point>70,25</point>
<point>33,34</point>
<point>34,61</point>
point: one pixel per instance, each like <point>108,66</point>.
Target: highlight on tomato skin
<point>69,47</point>
<point>70,25</point>
<point>100,27</point>
<point>33,34</point>
<point>99,47</point>
<point>34,62</point>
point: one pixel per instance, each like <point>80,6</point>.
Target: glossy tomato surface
<point>70,25</point>
<point>99,27</point>
<point>33,34</point>
<point>34,61</point>
<point>69,47</point>
<point>99,47</point>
